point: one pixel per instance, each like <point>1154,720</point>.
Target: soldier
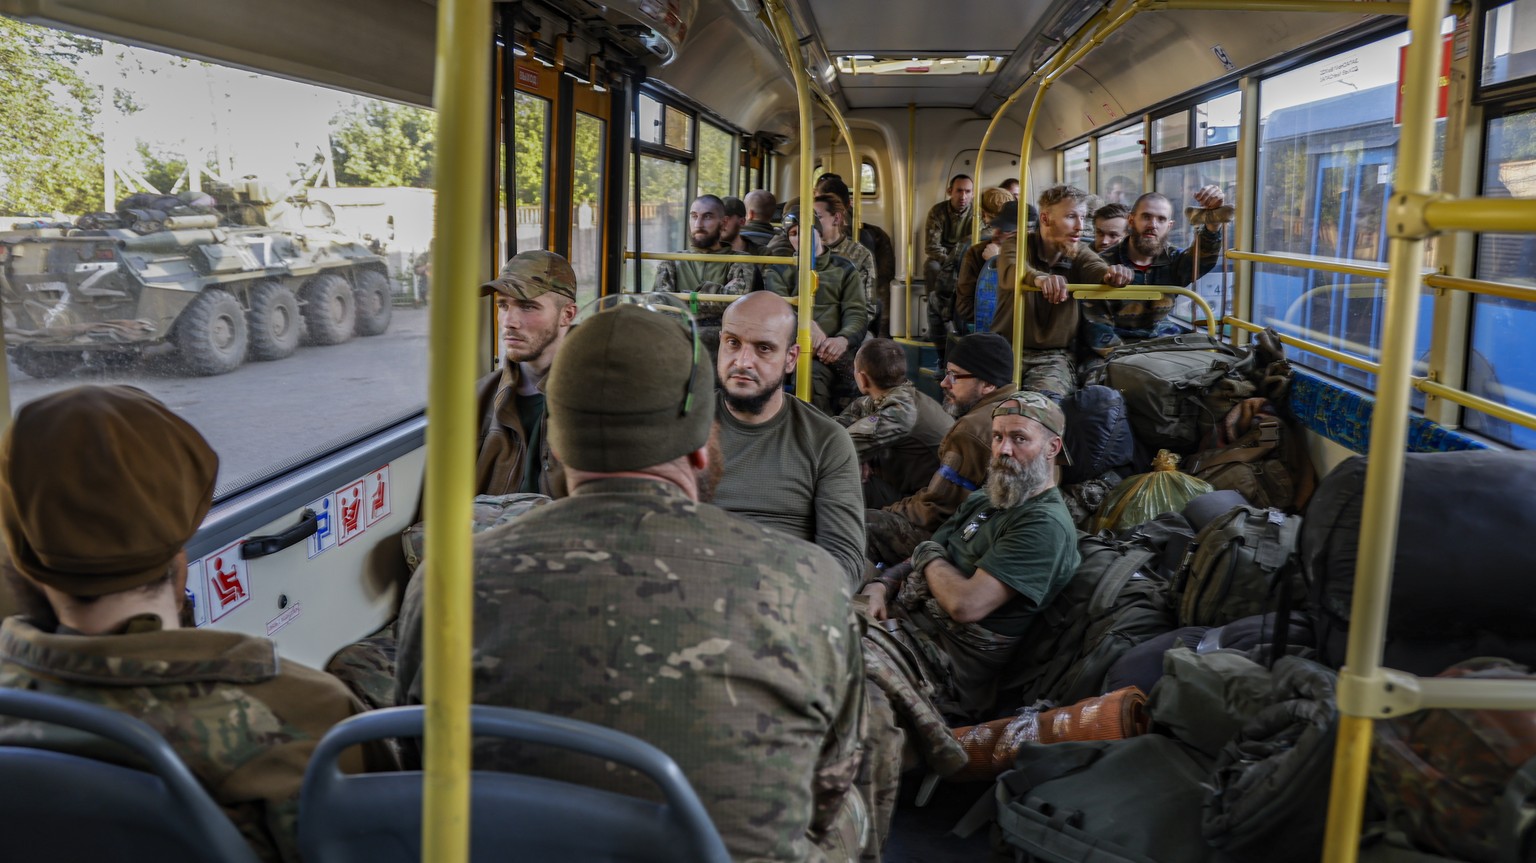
<point>895,428</point>
<point>1011,186</point>
<point>100,489</point>
<point>978,375</point>
<point>635,605</point>
<point>832,218</point>
<point>981,258</point>
<point>707,233</point>
<point>787,466</point>
<point>535,304</point>
<point>839,317</point>
<point>1109,227</point>
<point>731,225</point>
<point>759,227</point>
<point>973,590</point>
<point>1152,261</point>
<point>1057,258</point>
<point>946,233</point>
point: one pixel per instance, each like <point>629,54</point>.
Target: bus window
<point>587,206</point>
<point>148,238</point>
<point>663,209</point>
<point>1170,132</point>
<point>868,183</point>
<point>1326,156</point>
<point>717,150</point>
<point>1119,168</point>
<point>1179,184</point>
<point>1509,45</point>
<point>1503,364</point>
<point>531,130</point>
<point>1217,120</point>
<point>1076,171</point>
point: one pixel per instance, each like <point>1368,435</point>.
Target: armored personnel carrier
<point>248,274</point>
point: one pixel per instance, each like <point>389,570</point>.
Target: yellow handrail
<point>784,30</point>
<point>1312,262</point>
<point>1064,61</point>
<point>1350,7</point>
<point>1362,672</point>
<point>906,296</point>
<point>709,257</point>
<point>1480,286</point>
<point>717,298</point>
<point>1475,402</point>
<point>462,90</point>
<point>1136,292</point>
<point>1310,346</point>
<point>843,131</point>
<point>986,137</point>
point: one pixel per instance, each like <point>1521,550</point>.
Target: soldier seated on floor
<point>895,429</point>
<point>969,594</point>
<point>103,602</point>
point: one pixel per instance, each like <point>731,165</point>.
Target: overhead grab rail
<point>855,178</point>
<point>709,257</point>
<point>784,30</point>
<point>1134,292</point>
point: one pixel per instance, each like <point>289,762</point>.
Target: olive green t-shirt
<point>1032,548</point>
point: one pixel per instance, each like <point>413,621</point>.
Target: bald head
<point>763,311</point>
<point>760,204</point>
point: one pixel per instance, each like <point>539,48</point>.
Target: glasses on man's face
<point>661,304</point>
<point>952,375</point>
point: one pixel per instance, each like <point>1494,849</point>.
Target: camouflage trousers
<point>1050,372</point>
<point>862,827</point>
<point>367,667</point>
<point>890,538</point>
<point>966,658</point>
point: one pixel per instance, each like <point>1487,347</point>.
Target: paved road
<point>262,415</point>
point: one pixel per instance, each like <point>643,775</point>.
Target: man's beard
<point>708,241</point>
<point>729,235</point>
<point>1010,483</point>
<point>956,408</point>
<point>753,403</point>
<point>708,479</point>
<point>1146,245</point>
<point>535,342</point>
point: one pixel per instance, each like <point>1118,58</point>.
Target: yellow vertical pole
<point>906,297</point>
<point>1243,232</point>
<point>805,263</point>
<point>1067,61</point>
<point>461,92</point>
<point>1389,431</point>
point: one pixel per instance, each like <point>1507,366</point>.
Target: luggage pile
<point>1230,610</point>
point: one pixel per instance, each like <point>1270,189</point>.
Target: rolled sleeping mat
<point>1115,716</point>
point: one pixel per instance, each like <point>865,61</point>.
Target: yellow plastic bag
<point>1148,495</point>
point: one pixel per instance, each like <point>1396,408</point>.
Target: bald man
<point>787,466</point>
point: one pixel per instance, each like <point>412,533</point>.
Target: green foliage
<point>162,170</point>
<point>51,156</point>
<point>530,138</point>
<point>381,144</point>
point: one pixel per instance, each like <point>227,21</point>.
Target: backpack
<point>1118,597</point>
<point>1258,455</point>
<point>1101,801</point>
<point>1176,388</point>
<point>986,296</point>
<point>1478,767</point>
<point>1239,564</point>
<point>1268,801</point>
<point>1462,541</point>
<point>1098,434</point>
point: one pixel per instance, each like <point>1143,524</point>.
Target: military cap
<point>529,274</point>
<point>628,391</point>
<point>1028,403</point>
<point>988,356</point>
<point>100,488</point>
<point>1007,219</point>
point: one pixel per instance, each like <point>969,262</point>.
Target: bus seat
<point>377,817</point>
<point>59,806</point>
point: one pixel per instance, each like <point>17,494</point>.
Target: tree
<point>51,160</point>
<point>380,144</point>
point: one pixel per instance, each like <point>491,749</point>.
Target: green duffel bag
<point>1241,564</point>
<point>1177,387</point>
<point>1103,801</point>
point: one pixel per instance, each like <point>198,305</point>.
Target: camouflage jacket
<point>1109,323</point>
<point>864,261</point>
<point>963,458</point>
<point>706,277</point>
<point>730,646</point>
<point>946,234</point>
<point>242,719</point>
<point>898,436</point>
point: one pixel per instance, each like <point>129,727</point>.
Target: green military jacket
<point>946,233</point>
<point>731,647</point>
<point>840,309</point>
<point>244,720</point>
<point>864,261</point>
<point>898,436</point>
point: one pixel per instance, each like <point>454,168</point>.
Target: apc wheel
<point>329,310</point>
<point>375,302</point>
<point>211,334</point>
<point>274,321</point>
<point>45,364</point>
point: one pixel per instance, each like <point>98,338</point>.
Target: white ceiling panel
<point>916,27</point>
